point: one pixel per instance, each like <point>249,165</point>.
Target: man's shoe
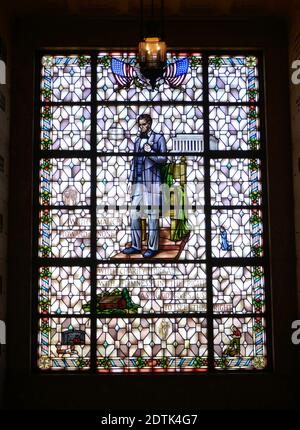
<point>131,250</point>
<point>149,253</point>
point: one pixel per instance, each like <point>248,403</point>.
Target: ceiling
<point>173,8</point>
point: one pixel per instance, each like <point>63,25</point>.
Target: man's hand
<point>147,147</point>
<point>129,187</point>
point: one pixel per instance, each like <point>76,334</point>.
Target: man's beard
<point>144,135</point>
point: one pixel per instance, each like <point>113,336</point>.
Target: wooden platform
<point>167,248</point>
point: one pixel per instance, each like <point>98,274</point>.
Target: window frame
<point>208,154</point>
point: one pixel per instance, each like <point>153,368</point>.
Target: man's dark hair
<point>146,117</point>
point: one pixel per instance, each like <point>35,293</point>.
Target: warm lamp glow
<point>152,50</point>
<point>152,53</point>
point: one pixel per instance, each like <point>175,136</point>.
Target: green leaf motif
<point>44,304</point>
<point>81,363</point>
<point>46,219</point>
<point>258,303</point>
<point>46,143</point>
<point>140,363</point>
<point>257,251</point>
<point>195,62</point>
<point>253,165</point>
<point>216,61</point>
<point>46,195</point>
<point>199,362</point>
<point>47,92</point>
<point>47,114</point>
<point>252,114</point>
<point>45,328</point>
<point>258,327</point>
<point>223,363</point>
<point>83,61</point>
<point>257,273</point>
<point>253,143</point>
<point>164,362</point>
<point>45,273</point>
<point>105,362</point>
<point>254,196</point>
<point>255,219</point>
<point>252,93</point>
<point>46,165</point>
<point>104,61</point>
<point>45,251</point>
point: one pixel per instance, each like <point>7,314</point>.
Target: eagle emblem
<point>125,73</point>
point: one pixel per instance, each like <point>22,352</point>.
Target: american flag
<point>122,71</point>
<point>176,72</point>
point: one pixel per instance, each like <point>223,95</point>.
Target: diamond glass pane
<point>64,343</point>
<point>64,233</point>
<point>66,79</point>
<point>233,79</point>
<point>152,344</point>
<point>64,290</point>
<point>234,128</point>
<point>236,233</point>
<point>65,181</point>
<point>235,182</point>
<point>65,127</point>
<point>238,289</point>
<point>240,343</point>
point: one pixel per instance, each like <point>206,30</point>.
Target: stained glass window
<point>151,250</point>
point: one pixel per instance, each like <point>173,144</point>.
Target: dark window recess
<point>1,164</point>
<point>2,102</point>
